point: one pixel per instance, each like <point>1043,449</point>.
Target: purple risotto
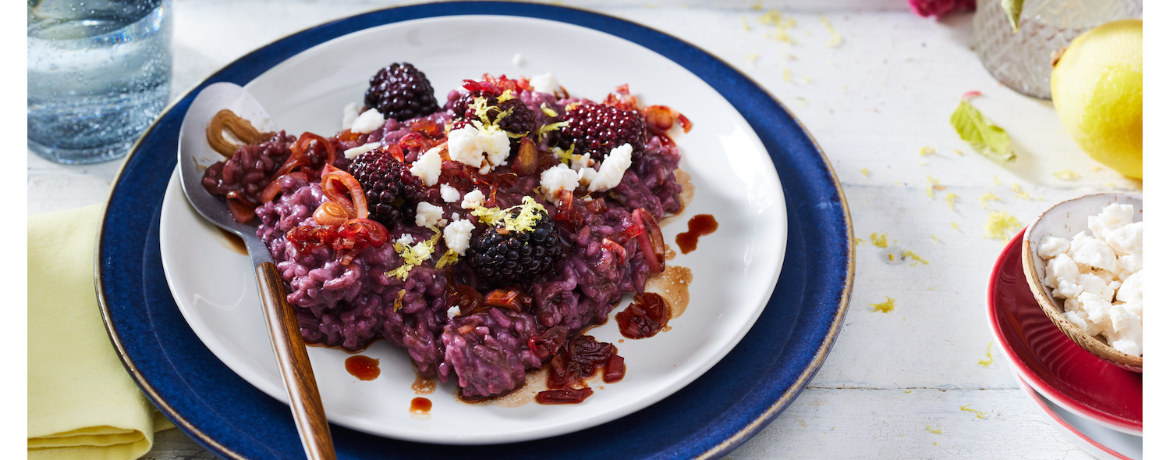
<point>481,234</point>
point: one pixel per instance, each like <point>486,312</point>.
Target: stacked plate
<point>1095,403</point>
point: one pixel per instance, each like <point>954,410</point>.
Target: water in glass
<point>99,72</point>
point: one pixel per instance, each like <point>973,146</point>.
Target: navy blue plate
<point>708,418</point>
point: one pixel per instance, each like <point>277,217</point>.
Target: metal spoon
<point>195,154</point>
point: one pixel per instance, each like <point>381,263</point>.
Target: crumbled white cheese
<point>497,148</point>
<point>472,199</point>
<point>426,214</point>
<point>354,152</point>
<point>450,194</point>
<point>1132,289</point>
<point>1126,240</point>
<point>368,121</point>
<point>555,179</point>
<point>1111,218</point>
<point>1087,250</point>
<point>518,60</point>
<point>1061,268</point>
<point>483,149</point>
<point>406,239</point>
<point>586,175</point>
<point>457,235</point>
<point>349,115</point>
<point>453,312</point>
<point>578,162</point>
<point>612,169</point>
<point>1051,246</point>
<point>1099,276</point>
<point>544,83</point>
<point>465,146</point>
<point>428,167</point>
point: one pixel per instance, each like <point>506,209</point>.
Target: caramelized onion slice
<point>650,239</point>
<point>242,129</point>
<point>356,201</point>
<point>331,214</point>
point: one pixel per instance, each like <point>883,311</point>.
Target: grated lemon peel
<point>449,258</point>
<point>879,241</point>
<point>987,197</point>
<point>545,129</point>
<point>933,186</point>
<point>989,360</point>
<point>564,155</point>
<point>926,150</point>
<point>548,111</point>
<point>982,415</point>
<point>1066,174</point>
<point>413,256</point>
<point>915,258</point>
<point>1021,194</point>
<point>865,172</point>
<point>1000,226</point>
<point>951,200</point>
<point>935,431</point>
<point>782,24</point>
<point>884,307</point>
<point>834,37</point>
<point>524,220</point>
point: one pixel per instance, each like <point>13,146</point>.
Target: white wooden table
<point>873,102</point>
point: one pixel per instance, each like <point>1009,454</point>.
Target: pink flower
<point>940,8</point>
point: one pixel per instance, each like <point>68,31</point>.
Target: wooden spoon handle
<point>294,364</point>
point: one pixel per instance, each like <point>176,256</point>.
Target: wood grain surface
<point>878,103</point>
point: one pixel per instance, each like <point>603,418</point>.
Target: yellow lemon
<point>1097,91</point>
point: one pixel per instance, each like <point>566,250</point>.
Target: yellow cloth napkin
<point>82,404</point>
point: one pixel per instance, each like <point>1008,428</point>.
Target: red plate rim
<point>1028,390</point>
<point>1028,375</point>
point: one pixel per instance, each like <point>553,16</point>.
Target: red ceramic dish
<point>1099,441</point>
<point>1050,362</point>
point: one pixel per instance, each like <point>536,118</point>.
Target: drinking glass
<point>99,73</point>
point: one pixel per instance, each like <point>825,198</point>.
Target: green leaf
<point>988,139</point>
<point>1013,8</point>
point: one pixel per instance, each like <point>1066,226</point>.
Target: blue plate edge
<point>224,74</point>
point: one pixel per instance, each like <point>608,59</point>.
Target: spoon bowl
<point>1065,220</point>
<point>195,156</point>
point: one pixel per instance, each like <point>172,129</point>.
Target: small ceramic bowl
<point>1065,220</point>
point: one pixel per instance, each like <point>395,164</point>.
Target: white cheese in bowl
<point>1099,276</point>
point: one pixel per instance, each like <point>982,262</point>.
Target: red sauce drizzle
<point>362,367</point>
<point>702,224</point>
<point>580,359</point>
<point>645,317</point>
<point>420,406</point>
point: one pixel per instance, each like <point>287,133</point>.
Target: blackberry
<point>503,258</point>
<point>463,104</point>
<point>401,92</point>
<point>521,120</point>
<point>390,188</point>
<point>597,128</point>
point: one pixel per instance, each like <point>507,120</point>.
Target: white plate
<point>1098,440</point>
<point>735,269</point>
